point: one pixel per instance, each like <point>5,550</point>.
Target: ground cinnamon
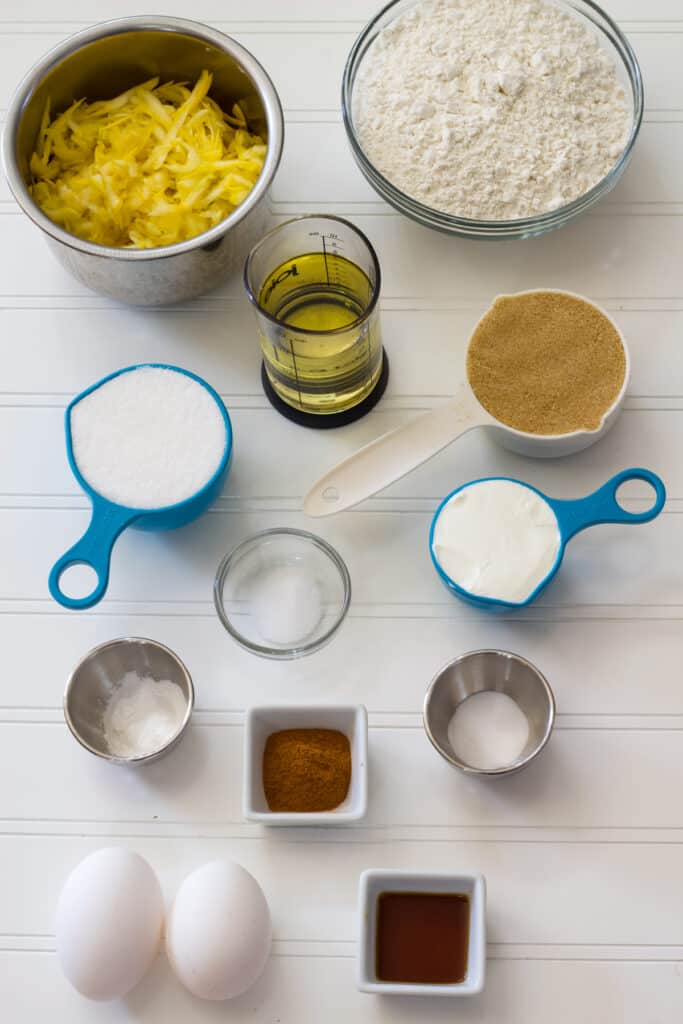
<point>546,362</point>
<point>306,770</point>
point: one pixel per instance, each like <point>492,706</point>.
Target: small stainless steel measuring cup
<point>572,516</point>
<point>320,377</point>
<point>388,458</point>
<point>92,683</point>
<point>489,671</point>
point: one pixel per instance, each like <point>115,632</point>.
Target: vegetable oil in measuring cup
<point>317,292</point>
<point>327,354</point>
<point>321,342</point>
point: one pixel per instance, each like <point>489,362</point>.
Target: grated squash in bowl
<point>152,167</point>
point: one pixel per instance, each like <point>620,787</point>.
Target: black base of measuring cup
<point>321,421</point>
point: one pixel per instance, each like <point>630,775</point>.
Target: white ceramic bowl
<point>378,880</point>
<point>260,722</point>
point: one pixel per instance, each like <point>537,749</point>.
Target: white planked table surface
<point>583,853</point>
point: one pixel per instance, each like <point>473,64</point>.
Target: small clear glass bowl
<point>628,69</point>
<point>282,593</point>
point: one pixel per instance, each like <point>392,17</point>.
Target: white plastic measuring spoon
<point>391,456</point>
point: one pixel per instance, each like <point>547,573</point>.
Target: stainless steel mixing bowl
<point>102,62</point>
<point>489,670</point>
<point>91,684</point>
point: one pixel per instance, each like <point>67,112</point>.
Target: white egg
<point>109,923</point>
<point>218,931</point>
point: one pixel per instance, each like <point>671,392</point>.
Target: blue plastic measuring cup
<point>108,520</point>
<point>572,516</point>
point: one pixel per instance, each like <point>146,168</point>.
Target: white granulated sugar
<point>148,438</point>
<point>490,109</point>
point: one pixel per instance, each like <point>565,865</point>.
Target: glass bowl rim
<point>429,216</point>
<point>294,650</point>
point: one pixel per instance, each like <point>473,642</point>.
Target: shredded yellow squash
<point>154,166</point>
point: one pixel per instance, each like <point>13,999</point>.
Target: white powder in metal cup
<point>488,730</point>
<point>148,438</point>
<point>497,539</point>
<point>142,715</point>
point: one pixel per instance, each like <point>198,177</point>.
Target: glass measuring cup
<point>314,284</point>
<point>571,516</point>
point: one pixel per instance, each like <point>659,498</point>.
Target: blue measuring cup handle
<point>94,550</point>
<point>602,506</point>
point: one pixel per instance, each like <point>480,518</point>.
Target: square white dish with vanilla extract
<point>421,933</point>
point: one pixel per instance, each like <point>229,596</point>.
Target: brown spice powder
<point>546,363</point>
<point>306,770</point>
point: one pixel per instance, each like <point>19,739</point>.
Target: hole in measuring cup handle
<point>78,580</point>
<point>94,550</point>
<point>613,489</point>
<point>646,494</point>
<point>602,505</point>
<point>63,569</point>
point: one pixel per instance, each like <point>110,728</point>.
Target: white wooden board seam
<point>546,614</point>
<point>346,948</point>
<point>331,26</point>
<point>393,303</point>
<point>398,402</point>
<point>420,836</point>
<point>219,718</point>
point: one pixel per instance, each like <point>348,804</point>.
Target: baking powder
<point>142,715</point>
<point>490,110</point>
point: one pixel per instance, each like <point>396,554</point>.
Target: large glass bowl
<point>612,40</point>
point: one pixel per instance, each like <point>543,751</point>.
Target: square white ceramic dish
<point>260,722</point>
<point>378,880</point>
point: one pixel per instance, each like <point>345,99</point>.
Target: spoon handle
<point>391,456</point>
<point>93,550</point>
<point>602,506</point>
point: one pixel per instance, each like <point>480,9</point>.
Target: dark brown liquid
<point>422,937</point>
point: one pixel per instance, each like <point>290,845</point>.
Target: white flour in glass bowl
<point>490,110</point>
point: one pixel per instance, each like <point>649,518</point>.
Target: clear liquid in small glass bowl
<point>612,40</point>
